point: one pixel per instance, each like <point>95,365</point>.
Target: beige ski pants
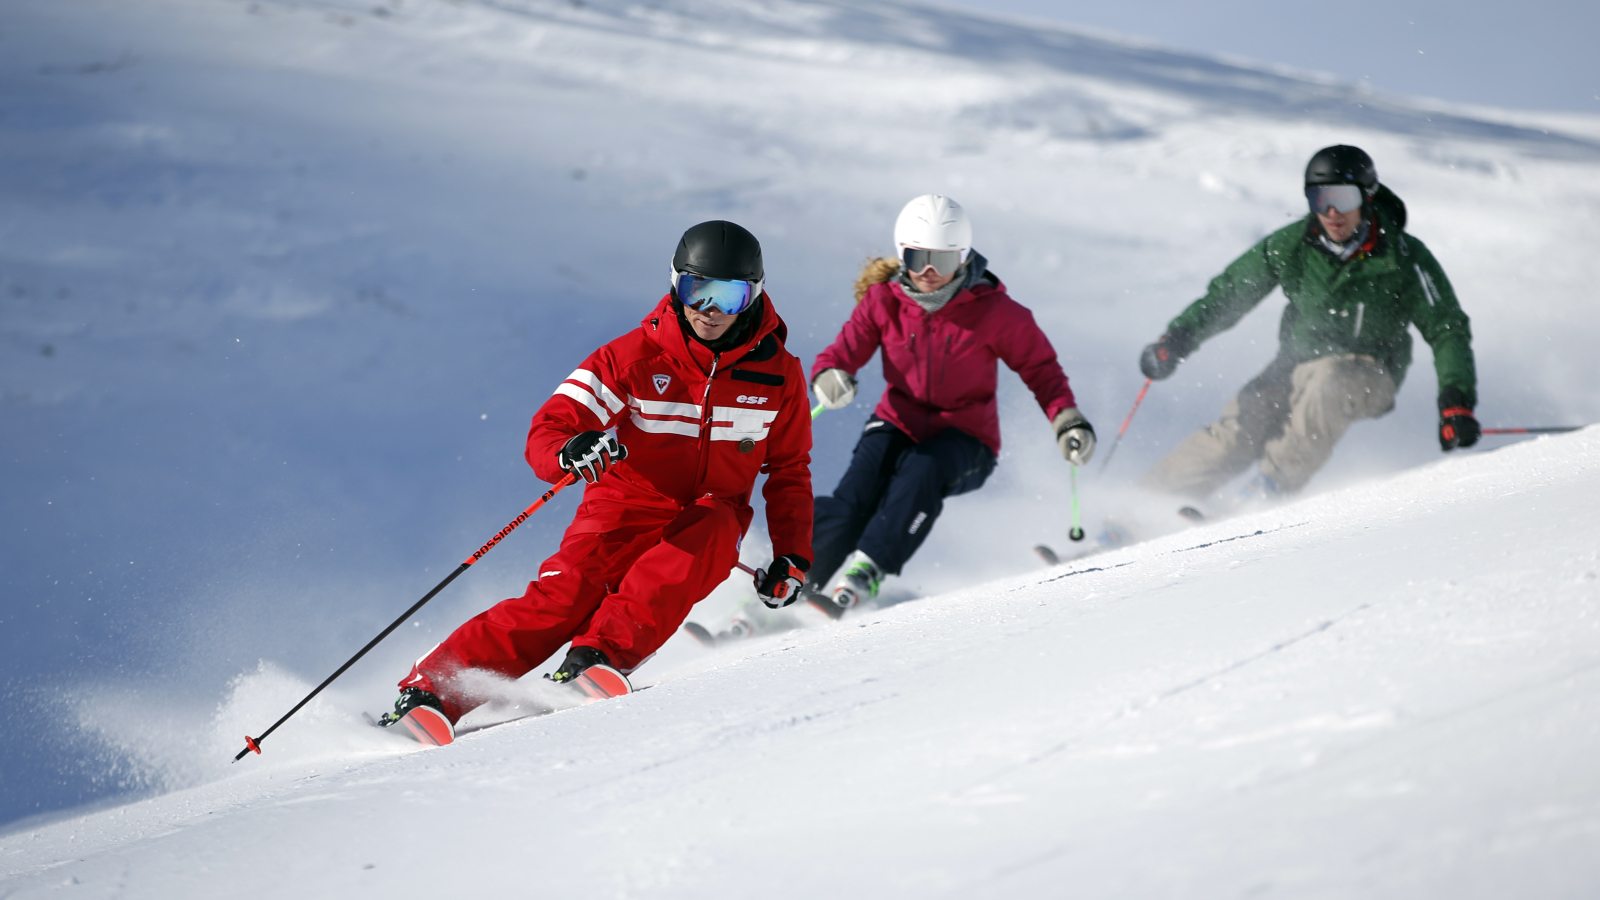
<point>1289,424</point>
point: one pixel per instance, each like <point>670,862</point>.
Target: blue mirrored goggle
<point>704,294</point>
<point>916,259</point>
<point>1342,197</point>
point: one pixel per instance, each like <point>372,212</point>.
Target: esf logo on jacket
<point>753,401</point>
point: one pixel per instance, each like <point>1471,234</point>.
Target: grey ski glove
<point>835,388</point>
<point>1074,435</point>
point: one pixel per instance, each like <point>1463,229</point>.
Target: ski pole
<point>1557,429</point>
<point>1125,423</point>
<point>1077,529</point>
<point>817,411</point>
<point>254,743</point>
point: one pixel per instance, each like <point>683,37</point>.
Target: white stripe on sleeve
<point>1428,288</point>
<point>588,378</point>
<point>584,397</point>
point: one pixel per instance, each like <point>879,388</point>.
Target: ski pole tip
<point>250,743</point>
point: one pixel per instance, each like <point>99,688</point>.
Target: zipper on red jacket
<point>705,423</point>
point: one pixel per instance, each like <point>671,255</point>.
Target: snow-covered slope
<point>1386,691</point>
<point>281,282</point>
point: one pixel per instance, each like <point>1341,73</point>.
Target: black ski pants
<point>889,498</point>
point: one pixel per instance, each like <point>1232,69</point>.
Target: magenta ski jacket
<point>941,367</point>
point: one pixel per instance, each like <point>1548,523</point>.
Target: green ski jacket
<point>1360,305</point>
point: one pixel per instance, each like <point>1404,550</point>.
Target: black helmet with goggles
<point>718,267</point>
<point>1341,177</point>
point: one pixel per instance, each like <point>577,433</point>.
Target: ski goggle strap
<point>1343,197</point>
<point>945,262</point>
<point>704,294</point>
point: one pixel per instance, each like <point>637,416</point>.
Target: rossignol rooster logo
<point>661,382</point>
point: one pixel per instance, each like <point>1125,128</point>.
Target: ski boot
<point>588,670</point>
<point>860,581</point>
<point>420,715</point>
<point>820,600</point>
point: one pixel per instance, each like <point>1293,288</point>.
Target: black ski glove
<point>778,585</point>
<point>590,454</point>
<point>1160,360</point>
<point>1458,427</point>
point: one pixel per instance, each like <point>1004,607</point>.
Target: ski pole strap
<point>254,743</point>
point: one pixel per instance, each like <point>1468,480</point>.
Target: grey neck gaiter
<point>933,301</point>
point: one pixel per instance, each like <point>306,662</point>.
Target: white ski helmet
<point>933,222</point>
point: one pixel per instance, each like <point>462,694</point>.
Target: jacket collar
<point>977,282</point>
<point>1375,244</point>
<point>662,327</point>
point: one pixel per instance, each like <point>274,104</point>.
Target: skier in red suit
<point>703,397</point>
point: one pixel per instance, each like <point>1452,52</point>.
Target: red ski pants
<point>623,592</point>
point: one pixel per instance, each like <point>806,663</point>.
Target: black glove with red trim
<point>778,585</point>
<point>1458,427</point>
<point>590,454</point>
<point>1160,360</point>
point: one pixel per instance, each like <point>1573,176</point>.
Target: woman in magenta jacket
<point>943,322</point>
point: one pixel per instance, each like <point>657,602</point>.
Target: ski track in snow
<point>282,282</point>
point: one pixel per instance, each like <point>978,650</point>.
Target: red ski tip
<point>602,682</point>
<point>428,726</point>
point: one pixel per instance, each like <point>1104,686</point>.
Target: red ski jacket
<point>941,367</point>
<point>697,424</point>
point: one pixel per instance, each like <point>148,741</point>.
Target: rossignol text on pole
<point>254,743</point>
<point>1125,423</point>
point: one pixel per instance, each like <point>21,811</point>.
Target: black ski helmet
<point>1342,164</point>
<point>720,250</point>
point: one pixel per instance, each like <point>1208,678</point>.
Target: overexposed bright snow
<point>282,283</point>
